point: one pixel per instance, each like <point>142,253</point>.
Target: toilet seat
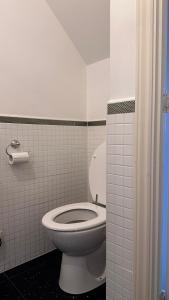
<point>100,218</point>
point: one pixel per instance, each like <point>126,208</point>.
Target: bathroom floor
<point>38,279</point>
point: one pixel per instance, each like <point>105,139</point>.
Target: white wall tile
<point>55,175</point>
<point>121,200</point>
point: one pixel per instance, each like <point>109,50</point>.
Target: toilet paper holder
<point>14,144</point>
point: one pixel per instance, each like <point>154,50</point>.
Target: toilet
<point>79,231</point>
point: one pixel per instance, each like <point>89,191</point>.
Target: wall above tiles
<point>42,73</point>
<point>123,48</point>
<point>98,89</point>
<point>88,25</point>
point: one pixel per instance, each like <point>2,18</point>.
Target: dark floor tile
<point>37,283</point>
<point>8,292</point>
<point>97,294</point>
<point>51,259</point>
<point>2,277</point>
<point>43,285</point>
<point>38,280</point>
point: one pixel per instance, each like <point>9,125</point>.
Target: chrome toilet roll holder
<point>14,144</point>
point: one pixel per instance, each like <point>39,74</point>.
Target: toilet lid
<point>97,174</point>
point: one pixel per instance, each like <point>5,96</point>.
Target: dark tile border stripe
<point>121,107</point>
<point>22,120</point>
<point>97,123</point>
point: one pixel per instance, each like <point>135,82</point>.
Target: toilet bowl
<point>79,231</point>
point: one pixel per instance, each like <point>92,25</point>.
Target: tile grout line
<point>10,281</point>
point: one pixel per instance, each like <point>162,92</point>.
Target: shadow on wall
<point>23,171</point>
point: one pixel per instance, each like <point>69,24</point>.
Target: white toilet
<point>79,231</point>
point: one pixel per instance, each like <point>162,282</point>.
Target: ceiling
<point>87,23</point>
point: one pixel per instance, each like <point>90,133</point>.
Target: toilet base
<point>81,274</point>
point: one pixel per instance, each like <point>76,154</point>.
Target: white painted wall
<point>41,72</point>
<point>88,25</point>
<point>123,48</point>
<point>98,89</point>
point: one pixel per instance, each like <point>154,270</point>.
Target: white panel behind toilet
<point>97,174</point>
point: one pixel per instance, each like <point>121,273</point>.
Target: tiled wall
<point>55,175</point>
<point>120,205</point>
<point>96,136</point>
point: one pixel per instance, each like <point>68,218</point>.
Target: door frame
<point>151,20</point>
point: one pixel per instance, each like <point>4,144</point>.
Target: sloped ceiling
<point>87,24</point>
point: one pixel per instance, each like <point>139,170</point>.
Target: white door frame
<point>151,18</point>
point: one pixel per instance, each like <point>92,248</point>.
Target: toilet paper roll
<point>18,157</point>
